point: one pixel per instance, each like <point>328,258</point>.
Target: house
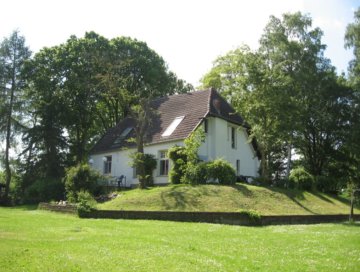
<point>226,136</point>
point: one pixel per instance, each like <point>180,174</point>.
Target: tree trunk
<point>8,138</point>
<point>288,165</point>
<point>140,164</point>
<point>352,198</point>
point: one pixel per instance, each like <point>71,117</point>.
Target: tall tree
<point>13,54</point>
<point>288,91</point>
<point>352,147</point>
<point>44,138</point>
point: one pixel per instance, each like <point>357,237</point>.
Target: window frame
<point>163,158</point>
<point>107,165</point>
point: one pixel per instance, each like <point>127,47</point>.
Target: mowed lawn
<point>32,240</point>
<point>217,198</point>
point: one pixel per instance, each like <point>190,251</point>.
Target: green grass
<point>32,240</point>
<point>266,201</point>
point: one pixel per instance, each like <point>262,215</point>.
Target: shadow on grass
<point>294,195</point>
<point>30,207</point>
<point>243,189</point>
<point>322,197</point>
<point>176,199</point>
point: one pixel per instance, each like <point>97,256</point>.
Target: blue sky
<point>188,34</point>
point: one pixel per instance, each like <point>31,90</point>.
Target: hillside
<point>266,201</point>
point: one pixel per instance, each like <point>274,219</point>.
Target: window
<point>123,135</point>
<point>164,163</point>
<point>238,167</point>
<point>206,126</point>
<point>107,164</point>
<point>171,128</point>
<point>233,137</point>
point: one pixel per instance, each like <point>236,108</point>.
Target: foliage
<point>192,144</point>
<point>86,202</point>
<point>44,190</point>
<point>149,163</point>
<point>302,179</point>
<point>192,170</point>
<point>254,216</point>
<point>221,171</point>
<point>196,173</point>
<point>179,160</point>
<point>13,54</point>
<point>80,177</point>
<point>289,93</point>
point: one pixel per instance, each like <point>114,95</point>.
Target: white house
<point>178,115</point>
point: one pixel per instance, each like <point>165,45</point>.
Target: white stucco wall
<point>121,162</point>
<point>217,145</point>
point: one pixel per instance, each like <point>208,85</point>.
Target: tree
<point>13,54</point>
<point>352,148</point>
<point>45,144</point>
<point>288,92</point>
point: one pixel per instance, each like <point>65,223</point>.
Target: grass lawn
<point>266,201</point>
<point>32,240</point>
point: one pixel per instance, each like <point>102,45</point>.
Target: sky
<point>188,34</point>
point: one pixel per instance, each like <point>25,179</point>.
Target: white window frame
<point>163,158</point>
<point>233,137</point>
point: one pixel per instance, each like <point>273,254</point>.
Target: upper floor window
<point>206,126</point>
<point>163,163</point>
<point>233,137</point>
<point>107,164</point>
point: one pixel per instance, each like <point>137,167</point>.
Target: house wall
<point>217,145</point>
<point>121,162</point>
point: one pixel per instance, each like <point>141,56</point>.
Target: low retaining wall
<point>229,218</point>
<point>57,208</point>
<point>205,217</point>
<point>220,217</point>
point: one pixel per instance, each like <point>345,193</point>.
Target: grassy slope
<point>266,201</point>
<point>32,240</point>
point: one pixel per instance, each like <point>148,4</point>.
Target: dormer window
<point>123,135</point>
<point>171,128</point>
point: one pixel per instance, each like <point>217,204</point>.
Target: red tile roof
<point>195,106</point>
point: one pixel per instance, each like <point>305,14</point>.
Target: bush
<point>302,179</point>
<point>327,184</point>
<point>196,174</point>
<point>80,177</point>
<point>179,158</point>
<point>149,163</point>
<point>221,171</point>
<point>86,202</point>
<point>44,190</point>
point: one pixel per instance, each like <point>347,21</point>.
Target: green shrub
<point>86,202</point>
<point>253,216</point>
<point>221,171</point>
<point>196,174</point>
<point>179,158</point>
<point>327,184</point>
<point>44,190</point>
<point>302,179</point>
<point>80,177</point>
<point>149,163</point>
